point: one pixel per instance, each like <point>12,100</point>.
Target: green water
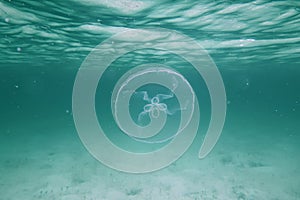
<point>255,46</point>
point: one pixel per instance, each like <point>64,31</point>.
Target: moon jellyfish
<point>158,104</point>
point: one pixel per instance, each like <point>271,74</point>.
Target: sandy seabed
<point>50,164</point>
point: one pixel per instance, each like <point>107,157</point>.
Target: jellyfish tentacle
<point>142,115</point>
<point>165,96</point>
<point>146,96</point>
<point>173,111</point>
<point>162,107</point>
<point>169,112</point>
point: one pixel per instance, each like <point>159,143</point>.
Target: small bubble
<point>6,20</point>
<point>16,86</point>
<point>19,49</point>
<point>67,111</point>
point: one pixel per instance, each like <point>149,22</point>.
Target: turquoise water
<point>255,46</point>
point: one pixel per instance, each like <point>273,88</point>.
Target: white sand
<point>56,166</point>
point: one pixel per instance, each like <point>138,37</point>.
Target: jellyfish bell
<point>156,109</point>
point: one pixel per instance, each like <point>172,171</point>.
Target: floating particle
<point>6,20</point>
<point>19,49</point>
